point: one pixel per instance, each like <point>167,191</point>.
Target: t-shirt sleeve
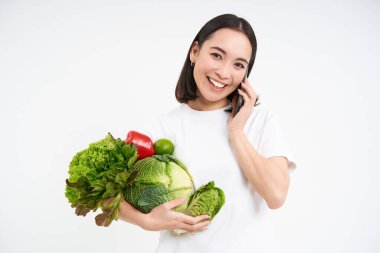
<point>274,143</point>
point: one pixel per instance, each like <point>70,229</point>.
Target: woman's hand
<point>162,217</point>
<point>237,123</point>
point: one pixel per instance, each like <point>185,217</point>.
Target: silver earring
<point>192,64</point>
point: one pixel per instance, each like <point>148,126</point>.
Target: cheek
<point>200,73</point>
<point>205,65</point>
<point>238,79</point>
<point>208,61</point>
<point>233,88</point>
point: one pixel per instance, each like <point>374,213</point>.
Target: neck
<point>200,105</point>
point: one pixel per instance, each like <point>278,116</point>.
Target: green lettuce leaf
<point>208,199</point>
<point>110,212</point>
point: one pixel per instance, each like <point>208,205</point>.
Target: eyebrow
<point>224,52</point>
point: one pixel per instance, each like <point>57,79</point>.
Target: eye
<point>240,65</point>
<point>216,55</point>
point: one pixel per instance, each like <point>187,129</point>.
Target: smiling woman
<point>230,49</point>
<point>244,153</point>
<point>219,67</point>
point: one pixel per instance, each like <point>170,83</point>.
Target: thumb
<point>174,203</point>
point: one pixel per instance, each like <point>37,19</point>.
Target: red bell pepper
<point>143,143</point>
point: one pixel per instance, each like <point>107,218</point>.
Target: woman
<point>244,154</point>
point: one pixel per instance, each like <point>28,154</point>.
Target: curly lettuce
<point>98,173</point>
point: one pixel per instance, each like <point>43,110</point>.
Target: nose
<point>223,72</point>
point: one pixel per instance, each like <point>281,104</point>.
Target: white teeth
<point>216,84</point>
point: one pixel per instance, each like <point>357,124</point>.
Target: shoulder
<point>160,125</point>
<point>170,115</point>
<point>260,116</point>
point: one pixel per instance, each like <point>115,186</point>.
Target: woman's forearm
<point>130,214</point>
<point>268,180</point>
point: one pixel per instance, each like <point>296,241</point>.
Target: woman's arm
<point>162,217</point>
<point>269,176</point>
<point>130,214</point>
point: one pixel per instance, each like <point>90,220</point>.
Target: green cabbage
<point>158,179</point>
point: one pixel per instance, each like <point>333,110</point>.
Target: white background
<point>71,71</point>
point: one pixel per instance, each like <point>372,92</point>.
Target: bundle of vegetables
<point>137,171</point>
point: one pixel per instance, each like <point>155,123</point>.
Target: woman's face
<point>220,66</point>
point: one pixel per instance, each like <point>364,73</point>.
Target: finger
<point>107,201</point>
<point>173,203</point>
<point>202,225</point>
<point>249,90</point>
<point>196,227</point>
<point>251,93</point>
<point>193,220</point>
<point>245,96</point>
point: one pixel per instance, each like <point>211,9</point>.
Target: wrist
<point>131,215</point>
<point>145,222</point>
<point>232,133</point>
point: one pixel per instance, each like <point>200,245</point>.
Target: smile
<point>216,84</point>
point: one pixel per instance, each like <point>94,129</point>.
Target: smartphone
<point>240,99</point>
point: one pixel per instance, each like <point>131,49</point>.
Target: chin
<point>212,98</point>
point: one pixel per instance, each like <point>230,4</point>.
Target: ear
<point>194,51</point>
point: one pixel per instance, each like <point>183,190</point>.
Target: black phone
<point>240,99</point>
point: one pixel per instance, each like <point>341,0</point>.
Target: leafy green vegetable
<point>98,173</point>
<point>159,178</point>
<point>208,199</point>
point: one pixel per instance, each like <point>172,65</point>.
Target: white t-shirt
<point>201,143</point>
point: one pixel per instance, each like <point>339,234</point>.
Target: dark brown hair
<point>186,86</point>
